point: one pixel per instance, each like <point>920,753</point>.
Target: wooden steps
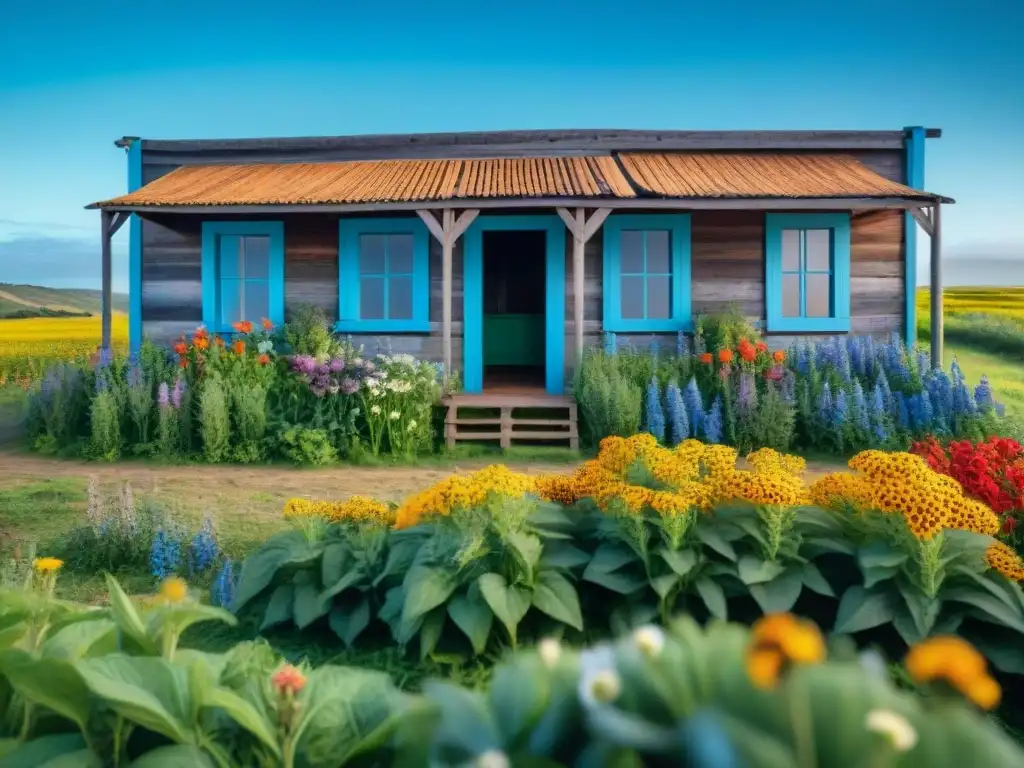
<point>509,418</point>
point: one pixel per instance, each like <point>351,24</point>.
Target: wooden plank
<point>569,220</point>
<point>595,222</point>
<point>937,330</point>
<point>431,221</point>
<point>578,243</point>
<point>922,218</point>
<point>466,218</point>
<point>447,243</point>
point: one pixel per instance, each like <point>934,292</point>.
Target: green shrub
<point>106,427</point>
<point>214,421</point>
<point>610,402</point>
<point>308,447</point>
<point>249,410</point>
<point>723,330</point>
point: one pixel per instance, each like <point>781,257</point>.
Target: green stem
<point>26,721</point>
<point>170,644</point>
<point>803,726</point>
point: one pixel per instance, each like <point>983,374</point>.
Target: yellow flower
<point>174,589</point>
<point>778,640</point>
<point>1004,559</point>
<point>47,564</point>
<point>956,662</point>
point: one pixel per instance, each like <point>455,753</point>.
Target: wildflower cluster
<point>956,663</point>
<point>356,509</point>
<point>778,641</point>
<point>463,492</point>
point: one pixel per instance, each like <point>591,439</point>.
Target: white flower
<point>394,415</point>
<point>549,650</point>
<point>411,425</point>
<point>492,758</point>
<point>599,682</point>
<point>894,727</point>
<point>265,346</point>
<point>375,410</point>
<point>650,640</point>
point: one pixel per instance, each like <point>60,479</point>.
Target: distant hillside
<point>35,299</point>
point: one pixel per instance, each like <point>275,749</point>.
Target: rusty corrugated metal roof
<point>738,175</point>
<point>678,175</point>
<point>382,181</point>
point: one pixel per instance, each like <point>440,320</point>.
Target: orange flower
<point>201,332</point>
<point>725,356</point>
<point>243,327</point>
<point>268,325</point>
<point>747,352</point>
<point>761,346</point>
<point>218,341</point>
<point>264,359</point>
<point>180,348</point>
<point>200,342</point>
<point>238,347</point>
<point>183,363</point>
<point>705,357</point>
<point>288,680</point>
<point>779,356</point>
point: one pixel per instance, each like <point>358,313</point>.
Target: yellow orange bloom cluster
<point>1004,559</point>
<point>777,641</point>
<point>47,564</point>
<point>902,483</point>
<point>463,492</point>
<point>957,663</point>
<point>356,509</point>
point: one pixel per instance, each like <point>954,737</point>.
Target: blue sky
<point>73,77</point>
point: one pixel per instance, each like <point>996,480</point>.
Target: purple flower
<point>747,392</point>
<point>337,365</point>
<point>304,364</point>
<point>349,386</point>
<point>789,387</point>
<point>163,395</point>
<point>841,410</point>
<point>178,392</point>
<point>860,408</point>
<point>655,415</point>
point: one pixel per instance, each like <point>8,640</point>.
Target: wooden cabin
<point>502,255</point>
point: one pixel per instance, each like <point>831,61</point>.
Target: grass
<point>989,319</point>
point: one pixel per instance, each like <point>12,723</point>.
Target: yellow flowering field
<point>28,346</point>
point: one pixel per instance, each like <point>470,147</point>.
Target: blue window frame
<point>383,276</point>
<point>807,272</point>
<point>647,273</point>
<point>242,272</point>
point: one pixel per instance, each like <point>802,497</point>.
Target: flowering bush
<point>991,471</point>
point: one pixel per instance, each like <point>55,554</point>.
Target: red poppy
<point>725,355</point>
<point>200,342</point>
<point>181,348</point>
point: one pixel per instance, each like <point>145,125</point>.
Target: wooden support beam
<point>596,220</point>
<point>922,218</point>
<point>431,221</point>
<point>581,230</point>
<point>466,218</point>
<point>936,286</point>
<point>106,230</point>
<point>119,219</point>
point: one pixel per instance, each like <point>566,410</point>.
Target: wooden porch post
<point>447,233</point>
<point>106,227</point>
<point>581,230</point>
<point>936,285</point>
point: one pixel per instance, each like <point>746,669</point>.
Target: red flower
<point>181,348</point>
<point>779,356</point>
<point>263,359</point>
<point>761,346</point>
<point>705,357</point>
<point>268,325</point>
<point>243,327</point>
<point>238,347</point>
<point>747,351</point>
<point>725,356</point>
<point>288,680</point>
<point>183,362</point>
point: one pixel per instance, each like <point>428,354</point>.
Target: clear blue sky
<point>74,76</point>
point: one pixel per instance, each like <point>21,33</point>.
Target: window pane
<point>658,261</point>
<point>819,250</point>
<point>791,295</point>
<point>400,254</point>
<point>257,301</point>
<point>371,254</point>
<point>400,298</point>
<point>631,249</point>
<point>632,298</point>
<point>371,298</point>
<point>790,250</point>
<point>256,253</point>
<point>659,298</point>
<point>231,296</point>
<point>230,256</point>
<point>819,295</point>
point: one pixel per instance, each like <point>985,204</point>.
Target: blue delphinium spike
<point>694,405</point>
<point>713,422</point>
<point>655,417</point>
<point>860,408</point>
<point>203,550</point>
<point>678,421</point>
<point>983,396</point>
<point>840,410</point>
<point>224,585</point>
<point>825,403</point>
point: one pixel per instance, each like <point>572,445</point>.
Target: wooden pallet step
<point>513,422</point>
<point>541,435</point>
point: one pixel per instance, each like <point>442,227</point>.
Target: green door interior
<point>514,281</point>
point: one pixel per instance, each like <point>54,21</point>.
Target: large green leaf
<point>179,617</point>
<point>556,596</point>
<point>681,561</point>
<point>992,608</point>
<point>126,617</point>
<point>861,609</point>
<point>243,713</point>
<point>51,683</point>
<point>336,562</point>
<point>291,548</point>
<point>527,546</point>
<point>473,616</point>
<point>509,602</point>
<point>405,545</point>
<point>80,639</point>
<point>923,610</point>
<point>347,580</point>
<point>176,756</point>
<point>713,597</point>
<point>559,554</point>
<point>467,727</point>
<point>880,555</point>
<point>279,609</point>
<point>35,753</point>
<point>309,605</point>
<point>623,583</point>
<point>714,539</point>
<point>347,713</point>
<point>780,594</point>
<point>664,584</point>
<point>754,570</point>
<point>519,694</point>
<point>815,581</point>
<point>349,618</point>
<point>430,631</point>
<point>610,557</point>
<point>426,588</point>
<point>83,758</point>
<point>150,692</point>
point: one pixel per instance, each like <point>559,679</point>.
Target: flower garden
<point>687,594</point>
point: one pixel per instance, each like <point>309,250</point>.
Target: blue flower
<point>164,555</point>
<point>902,415</point>
<point>941,391</point>
<point>879,416</point>
<point>655,415</point>
<point>883,382</point>
<point>707,743</point>
<point>678,421</point>
<point>855,351</point>
<point>840,412</point>
<point>842,360</point>
<point>694,405</point>
<point>983,396</point>
<point>655,346</point>
<point>224,586</point>
<point>682,344</point>
<point>860,408</point>
<point>825,404</point>
<point>203,550</point>
<point>713,422</point>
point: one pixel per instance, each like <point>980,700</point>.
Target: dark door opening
<point>514,300</point>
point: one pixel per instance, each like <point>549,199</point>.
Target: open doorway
<point>514,301</point>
